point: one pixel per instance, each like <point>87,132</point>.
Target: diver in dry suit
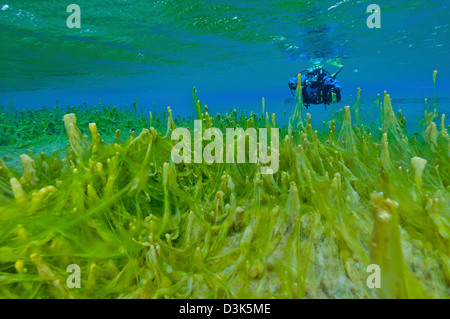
<point>317,86</point>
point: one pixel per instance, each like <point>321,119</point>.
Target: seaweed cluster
<point>345,196</point>
<point>21,128</point>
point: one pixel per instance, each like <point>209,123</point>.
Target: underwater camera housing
<point>317,86</point>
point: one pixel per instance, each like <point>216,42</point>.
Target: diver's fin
<point>334,75</point>
<point>293,94</point>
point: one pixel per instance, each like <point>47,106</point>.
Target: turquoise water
<point>233,52</point>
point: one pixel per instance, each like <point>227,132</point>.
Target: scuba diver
<point>317,86</point>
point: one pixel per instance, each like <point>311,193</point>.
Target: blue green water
<point>233,52</point>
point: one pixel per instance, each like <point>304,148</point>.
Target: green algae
<point>140,226</point>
